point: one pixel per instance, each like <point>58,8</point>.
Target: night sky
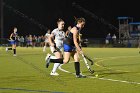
<point>46,12</point>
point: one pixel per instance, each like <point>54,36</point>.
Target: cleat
<point>47,59</point>
<point>14,55</point>
<point>80,76</point>
<point>54,74</point>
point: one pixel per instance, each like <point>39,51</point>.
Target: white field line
<point>21,54</point>
<point>112,58</point>
<point>107,58</point>
<point>96,63</point>
<point>106,79</point>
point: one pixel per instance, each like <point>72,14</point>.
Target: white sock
<point>44,48</point>
<point>55,66</point>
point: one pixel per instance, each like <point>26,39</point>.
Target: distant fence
<point>94,42</point>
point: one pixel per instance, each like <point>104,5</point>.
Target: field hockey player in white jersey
<point>56,44</point>
<point>46,40</point>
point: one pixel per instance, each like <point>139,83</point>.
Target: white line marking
<point>106,79</point>
<point>117,57</point>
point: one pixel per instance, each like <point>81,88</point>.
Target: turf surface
<point>118,71</point>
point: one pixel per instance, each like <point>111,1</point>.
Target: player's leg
<point>14,49</point>
<point>66,55</point>
<point>77,65</point>
<point>58,60</point>
<point>44,48</point>
<point>10,48</point>
<point>58,55</point>
<point>56,65</point>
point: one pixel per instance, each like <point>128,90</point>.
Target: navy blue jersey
<point>69,39</point>
<point>14,36</point>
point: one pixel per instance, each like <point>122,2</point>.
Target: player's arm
<point>11,36</point>
<point>80,37</point>
<point>64,33</point>
<point>67,33</point>
<point>75,34</point>
<point>51,40</point>
<point>46,36</point>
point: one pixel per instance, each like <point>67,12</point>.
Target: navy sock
<point>14,51</point>
<point>77,68</point>
<point>9,48</point>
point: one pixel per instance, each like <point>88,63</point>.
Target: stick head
<point>91,71</point>
<point>91,62</point>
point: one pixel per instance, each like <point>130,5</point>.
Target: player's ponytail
<point>80,20</point>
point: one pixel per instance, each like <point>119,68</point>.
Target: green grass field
<point>118,70</point>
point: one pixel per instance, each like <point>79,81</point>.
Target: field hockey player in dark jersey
<point>13,39</point>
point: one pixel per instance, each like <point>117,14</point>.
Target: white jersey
<point>47,35</point>
<point>59,37</point>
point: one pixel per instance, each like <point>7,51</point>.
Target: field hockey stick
<point>89,59</point>
<point>87,65</point>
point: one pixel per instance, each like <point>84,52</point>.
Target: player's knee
<point>77,60</point>
<point>65,61</point>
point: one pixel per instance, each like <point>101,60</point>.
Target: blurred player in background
<point>29,41</point>
<point>46,40</point>
<point>12,40</point>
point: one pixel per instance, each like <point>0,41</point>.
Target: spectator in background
<point>21,40</point>
<point>108,39</point>
<point>26,40</point>
<point>18,41</point>
<point>34,41</point>
<point>42,41</point>
<point>38,41</point>
<point>114,39</point>
<point>29,41</point>
<point>138,27</point>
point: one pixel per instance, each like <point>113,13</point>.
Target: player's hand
<point>10,39</point>
<point>81,52</point>
<point>53,49</point>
